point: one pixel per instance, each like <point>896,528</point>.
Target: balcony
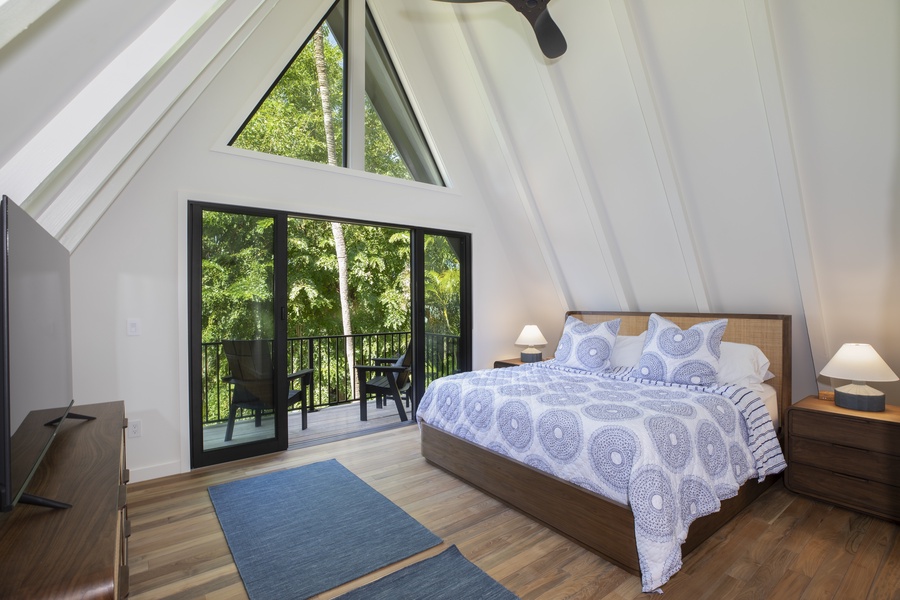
<point>333,397</point>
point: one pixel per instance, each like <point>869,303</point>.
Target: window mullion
<point>355,105</point>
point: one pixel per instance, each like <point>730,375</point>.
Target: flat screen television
<point>35,347</point>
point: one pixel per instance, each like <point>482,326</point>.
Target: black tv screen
<point>35,343</point>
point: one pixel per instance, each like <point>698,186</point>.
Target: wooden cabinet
<point>512,362</point>
<point>507,362</point>
<point>82,551</point>
<point>846,457</point>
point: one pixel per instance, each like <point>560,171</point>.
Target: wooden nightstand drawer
<point>852,492</point>
<point>846,431</point>
<point>874,466</point>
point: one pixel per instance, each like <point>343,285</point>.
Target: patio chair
<point>387,377</point>
<point>252,378</point>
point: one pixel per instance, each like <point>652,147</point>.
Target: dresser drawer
<point>846,431</point>
<point>884,468</point>
<point>854,493</point>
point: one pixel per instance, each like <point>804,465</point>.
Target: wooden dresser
<point>77,552</point>
<point>846,457</point>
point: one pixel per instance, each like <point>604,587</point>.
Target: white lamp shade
<point>858,362</point>
<point>531,336</point>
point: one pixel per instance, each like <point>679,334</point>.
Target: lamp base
<point>858,401</point>
<point>532,357</point>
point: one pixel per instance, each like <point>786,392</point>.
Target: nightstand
<point>508,362</point>
<point>513,362</point>
<point>846,457</point>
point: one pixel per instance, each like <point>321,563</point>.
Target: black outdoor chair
<point>252,378</point>
<point>387,377</point>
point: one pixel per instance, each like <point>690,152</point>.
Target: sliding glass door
<point>273,293</point>
<point>237,408</point>
<point>442,294</point>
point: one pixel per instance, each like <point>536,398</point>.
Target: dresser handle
<point>854,448</point>
<point>851,477</point>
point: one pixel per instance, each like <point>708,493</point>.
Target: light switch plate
<point>133,326</point>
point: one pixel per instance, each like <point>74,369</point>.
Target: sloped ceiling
<point>695,155</point>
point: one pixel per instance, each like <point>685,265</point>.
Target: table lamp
<point>859,363</point>
<point>531,336</point>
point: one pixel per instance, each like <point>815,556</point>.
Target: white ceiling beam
<point>771,84</point>
<point>662,151</point>
<point>516,172</point>
<point>104,173</point>
<point>71,129</point>
<point>589,196</point>
<point>18,15</point>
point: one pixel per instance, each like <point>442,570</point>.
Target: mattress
<point>769,397</point>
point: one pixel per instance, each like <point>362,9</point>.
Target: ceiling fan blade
<point>550,38</point>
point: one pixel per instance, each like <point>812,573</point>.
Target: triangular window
<point>290,120</point>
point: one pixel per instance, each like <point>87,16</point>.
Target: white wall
<point>841,69</point>
<point>711,155</point>
<point>647,153</point>
<point>133,263</point>
<point>731,156</point>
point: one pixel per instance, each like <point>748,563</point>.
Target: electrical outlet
<point>134,428</point>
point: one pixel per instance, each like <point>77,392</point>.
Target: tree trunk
<point>337,230</point>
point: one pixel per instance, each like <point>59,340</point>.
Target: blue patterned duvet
<point>670,452</point>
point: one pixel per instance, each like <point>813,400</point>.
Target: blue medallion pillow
<point>673,355</point>
<point>585,346</point>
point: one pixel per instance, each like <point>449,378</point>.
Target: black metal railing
<point>333,374</point>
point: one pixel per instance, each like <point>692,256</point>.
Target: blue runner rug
<point>447,576</point>
<point>300,532</point>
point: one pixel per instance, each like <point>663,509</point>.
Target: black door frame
<point>201,457</point>
<point>417,270</point>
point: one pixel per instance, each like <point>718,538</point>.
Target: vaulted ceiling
<point>698,155</point>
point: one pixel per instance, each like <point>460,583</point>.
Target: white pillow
<point>743,364</point>
<point>627,351</point>
<point>673,355</point>
<point>587,347</point>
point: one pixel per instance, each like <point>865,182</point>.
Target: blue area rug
<point>447,576</point>
<point>300,532</point>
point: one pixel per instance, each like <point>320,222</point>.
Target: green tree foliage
<point>237,271</point>
<point>290,121</point>
<point>442,299</point>
<point>237,276</point>
<point>378,274</point>
<point>381,152</point>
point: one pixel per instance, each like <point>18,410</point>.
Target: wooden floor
<point>782,546</point>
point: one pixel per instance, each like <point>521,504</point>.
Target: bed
<point>604,525</point>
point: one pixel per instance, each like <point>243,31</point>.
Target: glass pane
<point>442,306</point>
<point>238,328</point>
<point>395,144</point>
<point>382,156</point>
<point>291,120</point>
<point>376,302</point>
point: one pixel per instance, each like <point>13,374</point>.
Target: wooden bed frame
<point>602,525</point>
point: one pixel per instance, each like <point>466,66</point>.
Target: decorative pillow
<point>587,347</point>
<point>743,364</point>
<point>673,355</point>
<point>627,351</point>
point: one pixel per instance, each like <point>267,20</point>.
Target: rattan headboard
<point>770,333</point>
